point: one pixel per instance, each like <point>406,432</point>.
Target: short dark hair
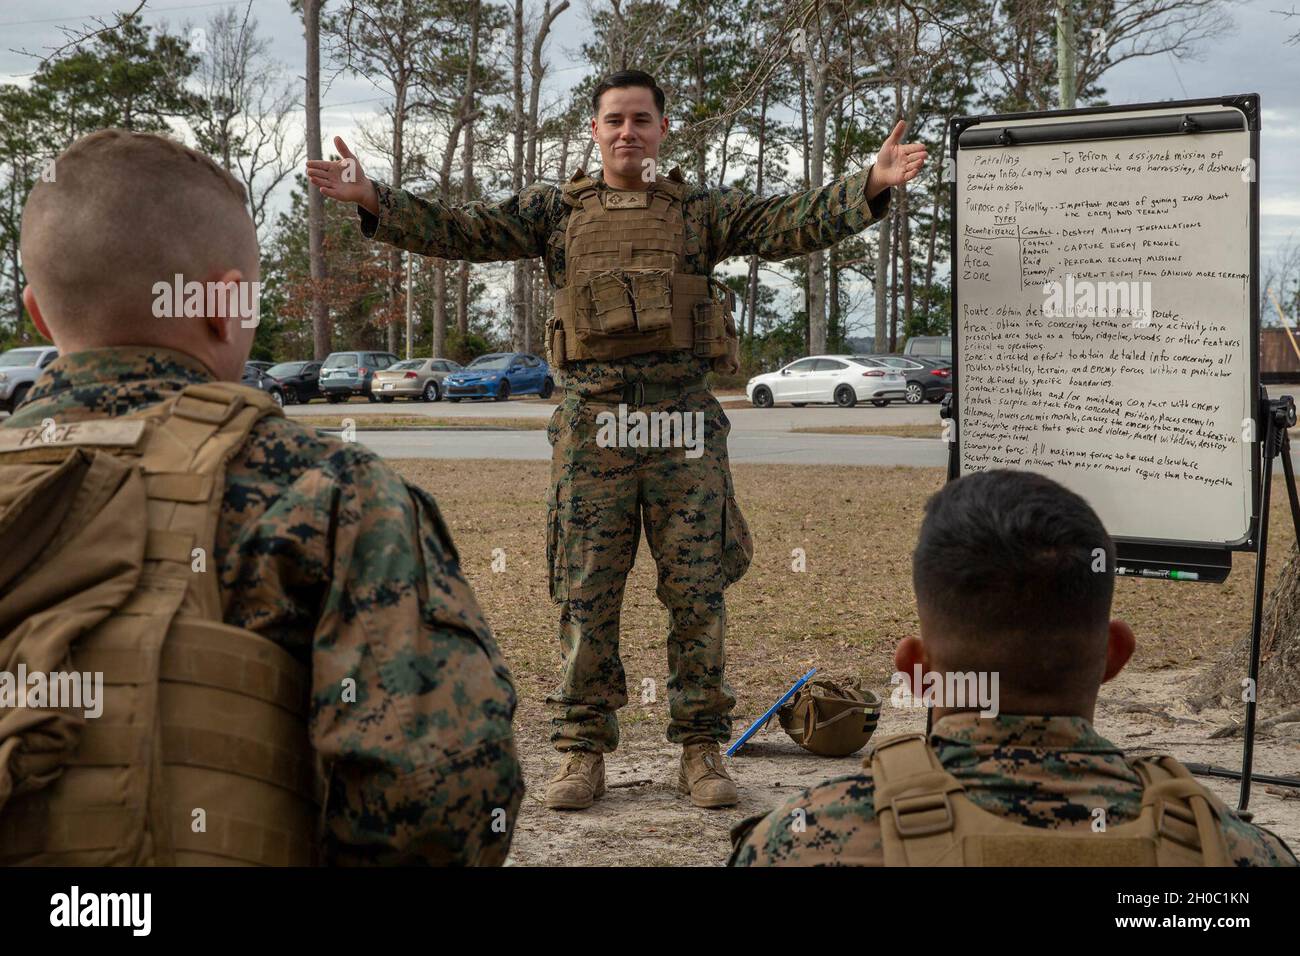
<point>1007,552</point>
<point>623,79</point>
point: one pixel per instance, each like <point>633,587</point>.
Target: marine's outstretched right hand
<point>343,179</point>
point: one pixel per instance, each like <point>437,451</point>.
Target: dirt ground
<point>842,615</point>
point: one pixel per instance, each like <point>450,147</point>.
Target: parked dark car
<point>345,374</point>
<point>498,376</point>
<point>257,378</point>
<point>927,379</point>
<point>301,381</point>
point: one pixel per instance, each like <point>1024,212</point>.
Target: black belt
<point>644,393</point>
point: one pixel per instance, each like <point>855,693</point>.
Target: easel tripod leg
<point>1261,558</point>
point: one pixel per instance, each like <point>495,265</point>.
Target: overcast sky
<point>1254,58</point>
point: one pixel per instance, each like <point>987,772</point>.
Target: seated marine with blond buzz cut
<point>322,686</point>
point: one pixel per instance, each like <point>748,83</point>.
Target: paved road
<point>781,418</point>
<point>757,435</point>
<point>760,436</point>
<point>751,446</point>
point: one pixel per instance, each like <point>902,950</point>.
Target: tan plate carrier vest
<point>926,819</point>
<point>626,290</point>
<point>201,754</point>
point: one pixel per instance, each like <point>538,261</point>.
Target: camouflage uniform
<point>327,552</point>
<point>600,497</point>
<point>1040,771</point>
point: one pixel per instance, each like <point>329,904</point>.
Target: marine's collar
<point>1018,730</point>
<point>119,364</point>
<point>675,174</point>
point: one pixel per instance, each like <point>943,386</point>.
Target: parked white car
<point>824,379</point>
<point>19,370</point>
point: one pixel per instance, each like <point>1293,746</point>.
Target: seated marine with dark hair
<point>1014,577</point>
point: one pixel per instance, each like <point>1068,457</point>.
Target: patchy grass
<point>856,526</point>
<point>844,615</point>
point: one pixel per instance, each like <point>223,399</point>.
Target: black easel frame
<point>1276,416</point>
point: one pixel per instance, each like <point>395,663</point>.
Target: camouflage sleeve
<point>832,824</point>
<point>777,227</point>
<point>412,702</point>
<point>1250,844</point>
<point>516,227</point>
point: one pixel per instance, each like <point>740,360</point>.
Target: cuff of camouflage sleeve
<point>371,224</point>
<point>880,204</point>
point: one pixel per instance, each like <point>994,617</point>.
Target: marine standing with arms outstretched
<point>638,322</point>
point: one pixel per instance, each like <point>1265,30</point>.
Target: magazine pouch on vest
<point>165,737</point>
<point>926,819</point>
<point>626,291</point>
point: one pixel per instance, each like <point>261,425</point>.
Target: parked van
<point>929,346</point>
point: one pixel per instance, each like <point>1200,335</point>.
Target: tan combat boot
<point>580,781</point>
<point>704,777</point>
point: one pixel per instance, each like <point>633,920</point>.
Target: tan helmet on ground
<point>831,719</point>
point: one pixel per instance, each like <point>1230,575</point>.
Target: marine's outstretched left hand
<point>896,162</point>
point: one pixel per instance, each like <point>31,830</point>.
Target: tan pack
<point>830,719</point>
<point>926,819</point>
<point>200,755</point>
<point>626,291</point>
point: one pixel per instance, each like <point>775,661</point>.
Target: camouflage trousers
<point>601,496</point>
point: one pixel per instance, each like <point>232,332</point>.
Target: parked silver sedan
<point>416,379</point>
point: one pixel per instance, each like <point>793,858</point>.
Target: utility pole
<point>1065,54</point>
<point>410,296</point>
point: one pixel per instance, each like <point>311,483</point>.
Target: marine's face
<point>628,130</point>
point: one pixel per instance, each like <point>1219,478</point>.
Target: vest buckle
<point>1186,833</point>
<point>926,802</point>
<point>634,393</point>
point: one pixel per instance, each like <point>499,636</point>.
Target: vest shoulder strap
<point>579,190</point>
<point>674,184</point>
<point>916,803</point>
<point>1187,818</point>
<point>195,435</point>
<point>927,819</point>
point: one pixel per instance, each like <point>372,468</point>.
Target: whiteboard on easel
<point>1104,311</point>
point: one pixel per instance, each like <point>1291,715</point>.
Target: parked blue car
<point>498,376</point>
